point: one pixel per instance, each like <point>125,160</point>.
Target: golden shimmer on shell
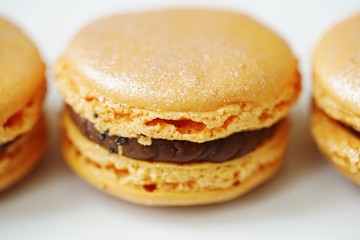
<point>336,64</point>
<point>155,183</point>
<point>21,71</point>
<point>210,60</point>
<point>337,143</point>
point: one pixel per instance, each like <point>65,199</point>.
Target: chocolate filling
<point>350,129</point>
<point>175,151</point>
<point>4,146</point>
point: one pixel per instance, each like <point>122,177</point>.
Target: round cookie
<point>23,86</point>
<point>148,94</point>
<point>336,93</point>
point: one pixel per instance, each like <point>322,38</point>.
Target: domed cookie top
<point>180,60</point>
<point>21,70</point>
<point>337,63</point>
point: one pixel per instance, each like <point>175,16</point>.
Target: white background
<point>307,200</point>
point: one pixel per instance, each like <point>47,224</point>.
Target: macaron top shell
<point>337,63</point>
<point>21,70</point>
<point>180,60</point>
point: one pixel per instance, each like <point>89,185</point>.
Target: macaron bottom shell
<point>339,144</point>
<point>22,155</point>
<point>169,184</point>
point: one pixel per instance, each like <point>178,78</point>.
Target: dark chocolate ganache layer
<point>4,146</point>
<point>175,151</point>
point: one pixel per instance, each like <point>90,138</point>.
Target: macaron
<point>176,107</point>
<point>22,91</point>
<point>336,97</point>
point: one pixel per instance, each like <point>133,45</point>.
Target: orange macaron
<point>176,107</point>
<point>336,94</point>
<point>22,91</point>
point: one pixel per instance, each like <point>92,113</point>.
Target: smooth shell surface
<point>337,64</point>
<point>21,71</point>
<point>179,60</point>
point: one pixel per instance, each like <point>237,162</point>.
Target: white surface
<point>307,200</point>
